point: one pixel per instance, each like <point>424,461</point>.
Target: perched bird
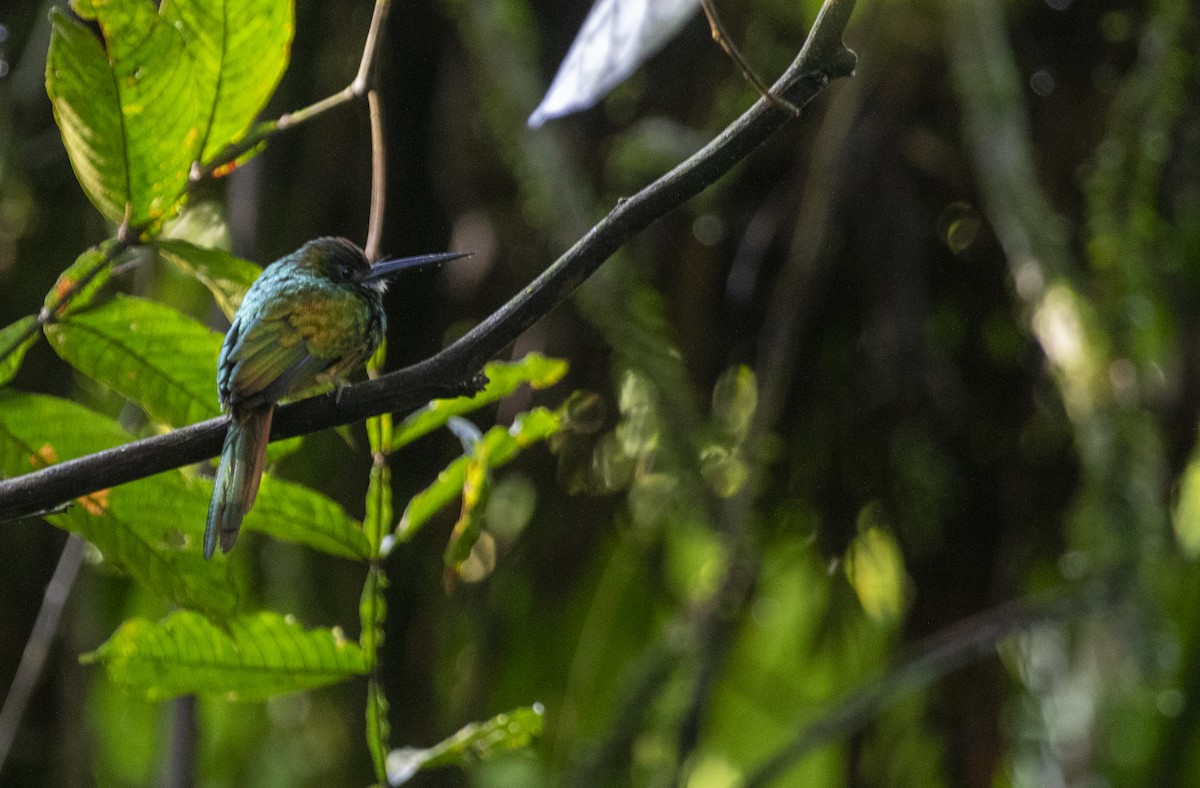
<point>310,318</point>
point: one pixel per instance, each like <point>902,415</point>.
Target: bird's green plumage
<point>309,319</point>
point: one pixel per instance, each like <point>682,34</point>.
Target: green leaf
<point>151,529</point>
<point>478,741</point>
<point>128,108</point>
<point>874,566</point>
<point>77,285</point>
<point>476,488</point>
<point>159,358</point>
<point>294,513</point>
<point>498,445</point>
<point>15,341</point>
<point>239,51</point>
<point>1186,515</point>
<point>250,657</point>
<point>227,277</point>
<point>504,377</point>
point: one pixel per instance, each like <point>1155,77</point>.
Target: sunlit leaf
<point>1186,517</point>
<point>128,107</point>
<point>159,358</point>
<point>239,51</point>
<point>227,277</point>
<point>15,341</point>
<point>504,377</point>
<point>294,513</point>
<point>250,657</point>
<point>875,568</point>
<point>478,741</point>
<point>616,37</point>
<point>499,446</point>
<point>150,528</point>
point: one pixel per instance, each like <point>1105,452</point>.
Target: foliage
<point>929,351</point>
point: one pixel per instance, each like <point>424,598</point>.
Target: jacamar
<point>310,318</point>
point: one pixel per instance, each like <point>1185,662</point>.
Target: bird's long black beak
<point>386,268</point>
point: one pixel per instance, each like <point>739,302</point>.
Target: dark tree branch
<point>455,370</point>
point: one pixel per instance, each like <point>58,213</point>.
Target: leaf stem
<point>721,36</point>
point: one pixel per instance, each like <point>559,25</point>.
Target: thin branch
<point>969,640</point>
<point>721,36</point>
<point>33,659</point>
<point>455,370</point>
<point>378,177</point>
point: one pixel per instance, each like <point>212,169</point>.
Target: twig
<point>455,370</point>
<point>719,34</point>
<point>958,645</point>
<point>378,177</point>
<point>33,659</point>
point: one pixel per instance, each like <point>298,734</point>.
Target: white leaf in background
<point>616,37</point>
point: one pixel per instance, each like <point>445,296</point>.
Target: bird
<point>311,318</point>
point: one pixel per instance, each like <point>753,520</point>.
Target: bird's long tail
<point>237,479</point>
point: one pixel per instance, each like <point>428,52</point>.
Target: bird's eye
<point>347,271</point>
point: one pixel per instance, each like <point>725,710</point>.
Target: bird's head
<point>344,262</point>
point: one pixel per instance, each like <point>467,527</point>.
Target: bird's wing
<point>266,358</point>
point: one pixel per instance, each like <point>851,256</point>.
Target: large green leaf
<point>513,730</point>
<point>150,528</point>
<point>240,50</point>
<point>226,276</point>
<point>293,513</point>
<point>128,107</point>
<point>15,341</point>
<point>250,657</point>
<point>504,377</point>
<point>154,355</point>
<point>497,447</point>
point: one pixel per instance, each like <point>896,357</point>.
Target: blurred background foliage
<point>934,347</point>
